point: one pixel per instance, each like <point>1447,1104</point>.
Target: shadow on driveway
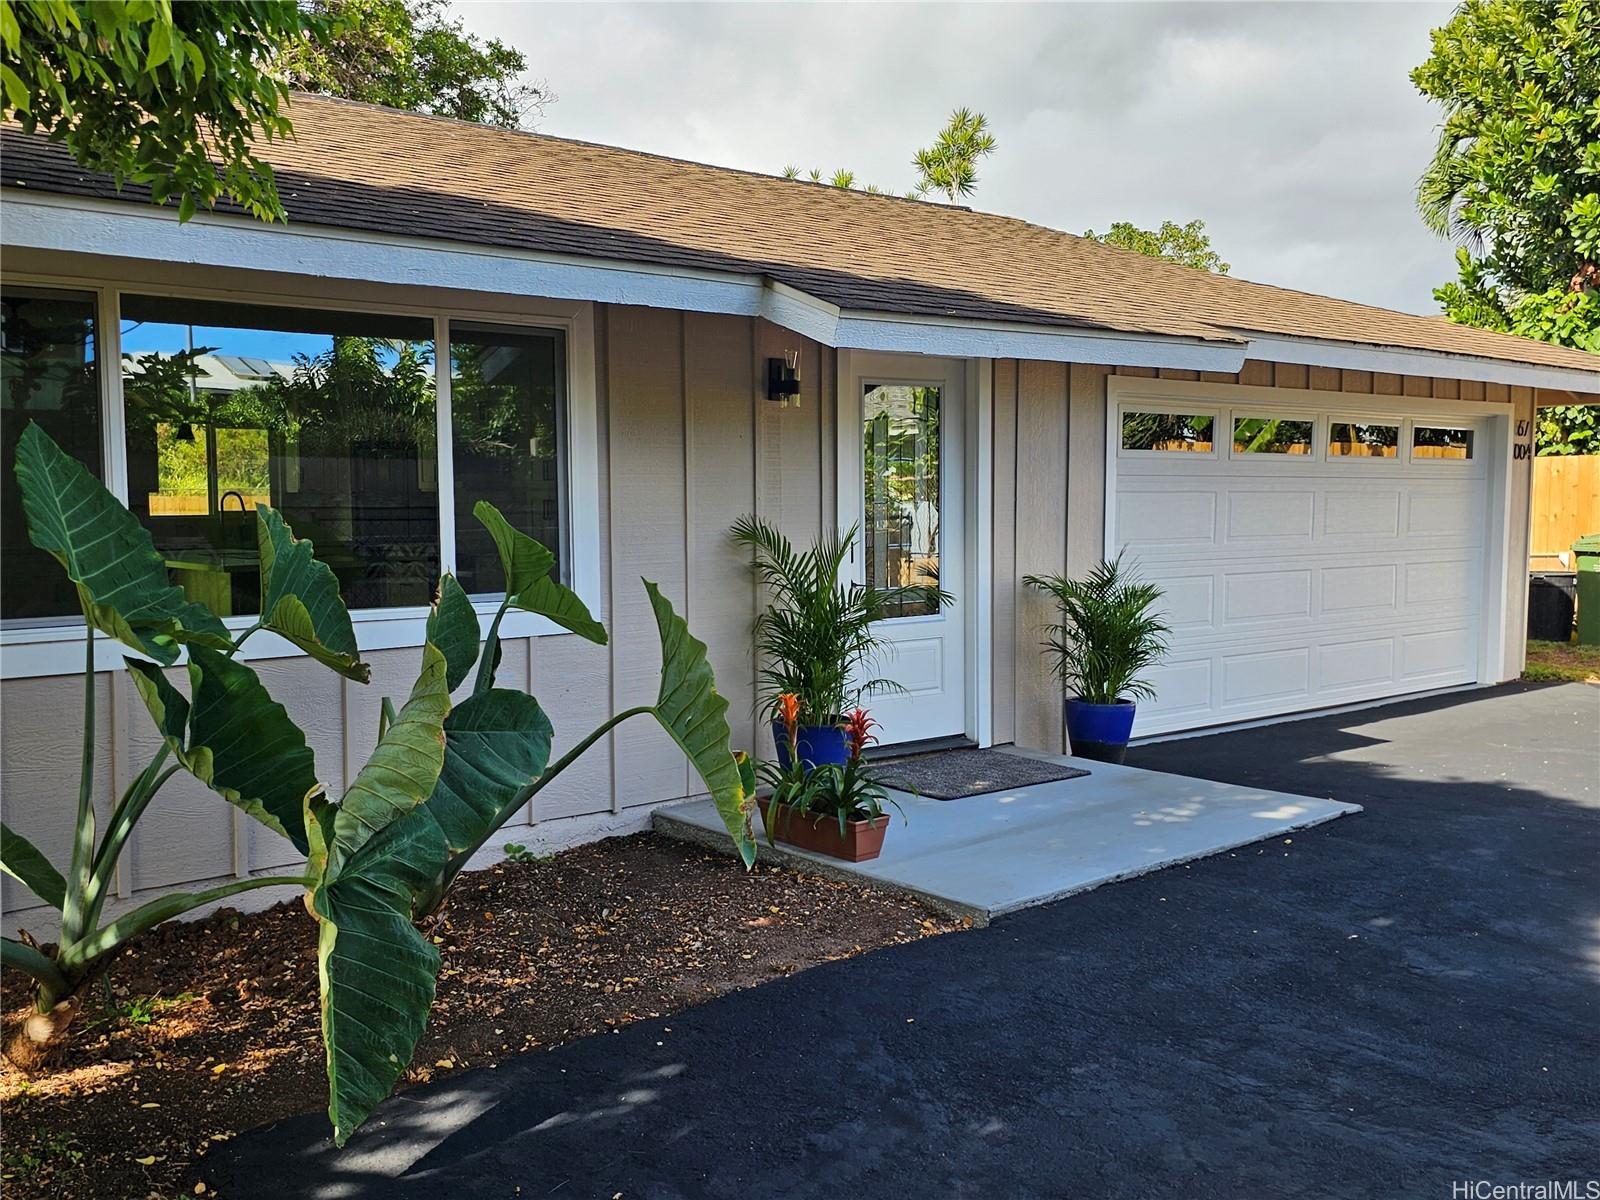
<point>1376,1007</point>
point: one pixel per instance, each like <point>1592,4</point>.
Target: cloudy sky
<point>1291,129</point>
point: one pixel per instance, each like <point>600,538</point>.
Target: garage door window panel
<point>1351,438</point>
<point>1441,442</point>
<point>1168,432</point>
<point>1273,435</point>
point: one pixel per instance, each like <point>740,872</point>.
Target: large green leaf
<point>453,627</point>
<point>300,598</point>
<point>404,768</point>
<point>561,605</point>
<point>495,744</point>
<point>377,971</point>
<point>523,559</point>
<point>690,709</point>
<point>24,862</point>
<point>122,582</point>
<point>527,564</point>
<point>234,737</point>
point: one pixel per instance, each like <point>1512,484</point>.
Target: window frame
<point>44,646</point>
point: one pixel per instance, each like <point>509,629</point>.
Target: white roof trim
<point>120,229</point>
<point>1395,360</point>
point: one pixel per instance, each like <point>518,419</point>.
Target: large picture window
<point>507,418</point>
<point>49,373</point>
<point>327,416</point>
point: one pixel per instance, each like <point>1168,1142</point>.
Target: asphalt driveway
<point>1377,1007</point>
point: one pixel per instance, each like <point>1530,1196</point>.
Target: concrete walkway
<point>983,856</point>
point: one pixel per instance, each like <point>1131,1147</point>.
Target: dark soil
<point>212,1027</point>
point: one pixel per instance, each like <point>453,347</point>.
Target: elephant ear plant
<point>379,859</point>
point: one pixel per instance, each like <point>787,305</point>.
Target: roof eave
<point>1401,360</point>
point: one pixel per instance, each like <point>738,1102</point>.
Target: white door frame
<point>977,467</point>
<point>1493,417</point>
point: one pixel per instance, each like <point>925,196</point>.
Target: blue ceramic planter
<point>1100,731</point>
<point>820,745</point>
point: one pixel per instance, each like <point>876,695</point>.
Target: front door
<point>901,475</point>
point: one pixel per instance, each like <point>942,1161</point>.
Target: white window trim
<point>39,648</point>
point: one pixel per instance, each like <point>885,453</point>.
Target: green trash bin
<point>1587,550</point>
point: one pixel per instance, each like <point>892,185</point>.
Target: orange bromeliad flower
<point>789,712</point>
<point>858,727</point>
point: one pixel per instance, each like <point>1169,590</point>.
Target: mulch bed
<point>213,1025</point>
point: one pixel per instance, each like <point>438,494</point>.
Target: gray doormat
<point>952,774</point>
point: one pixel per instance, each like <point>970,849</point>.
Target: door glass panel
<point>1355,439</point>
<point>1440,441</point>
<point>1271,435</point>
<point>901,459</point>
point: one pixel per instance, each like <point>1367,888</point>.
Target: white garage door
<point>1310,557</point>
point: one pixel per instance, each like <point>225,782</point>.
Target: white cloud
<point>1291,129</point>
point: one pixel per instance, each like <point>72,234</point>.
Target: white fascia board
<point>119,229</point>
<point>1395,361</point>
<point>957,338</point>
<point>800,312</point>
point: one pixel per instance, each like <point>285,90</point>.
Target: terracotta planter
<point>862,840</point>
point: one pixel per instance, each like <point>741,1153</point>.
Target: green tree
<point>1188,245</point>
<point>948,167</point>
<point>410,54</point>
<point>1514,175</point>
<point>151,92</point>
<point>1569,429</point>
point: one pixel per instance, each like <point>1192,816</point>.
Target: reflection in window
<point>507,413</point>
<point>327,416</point>
<point>1440,441</point>
<point>1353,439</point>
<point>50,374</point>
<point>1166,431</point>
<point>1270,435</point>
<point>901,477</point>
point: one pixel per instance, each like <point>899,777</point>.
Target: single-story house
<point>1334,496</point>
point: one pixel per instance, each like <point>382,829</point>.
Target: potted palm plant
<point>815,637</point>
<point>835,809</point>
<point>1108,636</point>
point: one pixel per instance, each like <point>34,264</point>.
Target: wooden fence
<point>1566,505</point>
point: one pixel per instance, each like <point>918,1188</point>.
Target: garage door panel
<point>1155,519</point>
<point>1183,687</point>
<point>1363,662</point>
<point>1439,583</point>
<point>1266,595</point>
<point>1266,675</point>
<point>1299,583</point>
<point>1363,515</point>
<point>1437,652</point>
<point>1279,515</point>
<point>1360,589</point>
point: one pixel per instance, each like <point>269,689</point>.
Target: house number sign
<point>1524,442</point>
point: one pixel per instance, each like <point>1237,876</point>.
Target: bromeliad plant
<point>815,636</point>
<point>441,781</point>
<point>841,792</point>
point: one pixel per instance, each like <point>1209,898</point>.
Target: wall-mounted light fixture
<point>783,378</point>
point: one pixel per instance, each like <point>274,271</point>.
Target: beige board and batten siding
<point>1049,503</point>
<point>685,447</point>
